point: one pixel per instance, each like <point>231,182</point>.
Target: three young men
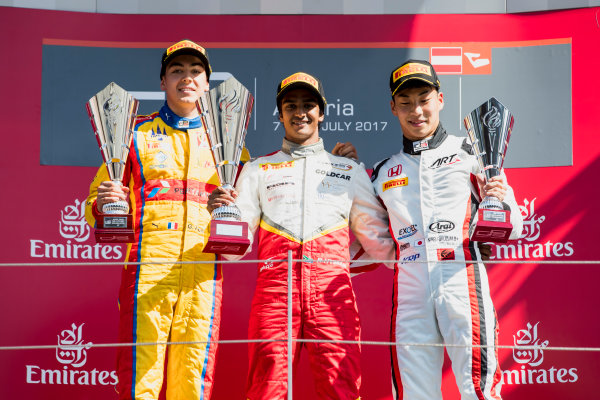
<point>306,200</point>
<point>430,190</point>
<point>169,174</point>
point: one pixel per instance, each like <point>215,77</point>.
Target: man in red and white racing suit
<point>431,189</point>
<point>306,200</point>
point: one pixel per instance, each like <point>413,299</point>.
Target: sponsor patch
<point>420,146</point>
<point>407,231</point>
<point>443,161</point>
<point>441,226</point>
<point>395,183</point>
<point>445,254</point>
<point>285,164</point>
<point>395,171</point>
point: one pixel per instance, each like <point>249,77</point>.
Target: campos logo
<point>71,352</point>
<point>74,228</point>
<point>527,246</point>
<point>529,352</point>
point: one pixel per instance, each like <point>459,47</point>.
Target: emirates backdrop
<point>542,66</point>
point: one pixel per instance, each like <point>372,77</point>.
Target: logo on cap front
<point>300,77</point>
<point>410,69</point>
<point>185,44</point>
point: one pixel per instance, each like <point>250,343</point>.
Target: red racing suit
<point>430,196</point>
<point>170,172</point>
<point>304,199</point>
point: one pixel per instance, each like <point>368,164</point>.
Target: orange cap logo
<point>185,44</point>
<point>300,77</point>
<point>410,69</point>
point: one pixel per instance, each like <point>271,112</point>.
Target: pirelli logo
<point>395,183</point>
<point>285,164</point>
<point>300,77</point>
<point>410,69</point>
<point>185,44</point>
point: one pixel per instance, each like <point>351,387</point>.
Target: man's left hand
<point>494,187</point>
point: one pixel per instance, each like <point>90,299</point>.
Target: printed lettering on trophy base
<point>227,237</point>
<point>492,226</point>
<point>114,228</point>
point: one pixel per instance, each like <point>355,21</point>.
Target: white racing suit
<point>430,196</point>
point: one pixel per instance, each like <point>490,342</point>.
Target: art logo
<point>529,352</point>
<point>529,246</point>
<point>71,352</point>
<point>75,233</point>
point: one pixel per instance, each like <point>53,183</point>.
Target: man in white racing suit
<point>431,189</point>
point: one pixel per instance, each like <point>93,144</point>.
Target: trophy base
<point>227,237</point>
<point>114,228</point>
<point>492,226</point>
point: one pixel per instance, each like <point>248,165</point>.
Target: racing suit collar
<point>417,146</point>
<point>177,122</point>
<point>301,151</point>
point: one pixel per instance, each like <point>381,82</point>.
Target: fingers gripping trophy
<point>112,112</point>
<point>225,112</point>
<point>489,127</point>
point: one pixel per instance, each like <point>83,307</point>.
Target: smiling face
<point>300,115</point>
<point>418,111</point>
<point>184,82</point>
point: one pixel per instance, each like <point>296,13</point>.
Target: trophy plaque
<point>112,112</point>
<point>225,113</point>
<point>489,127</point>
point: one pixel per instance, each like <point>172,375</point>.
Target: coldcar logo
<point>71,352</point>
<point>529,352</point>
<point>441,226</point>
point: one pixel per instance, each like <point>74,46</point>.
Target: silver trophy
<point>112,112</point>
<point>225,112</point>
<point>489,127</point>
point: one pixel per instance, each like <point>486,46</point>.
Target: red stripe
<point>364,268</point>
<point>475,316</point>
<point>444,69</point>
<point>498,372</point>
<point>214,336</point>
<point>475,184</point>
<point>446,51</point>
<point>126,312</point>
<point>395,366</point>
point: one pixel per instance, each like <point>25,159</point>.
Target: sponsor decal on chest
<point>394,183</point>
<point>444,161</point>
<point>268,166</point>
<point>445,254</point>
<point>333,174</point>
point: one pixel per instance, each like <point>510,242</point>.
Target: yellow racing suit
<point>170,173</point>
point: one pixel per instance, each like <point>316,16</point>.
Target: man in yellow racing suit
<point>168,176</point>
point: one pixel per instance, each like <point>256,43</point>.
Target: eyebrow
<point>420,94</point>
<point>307,99</point>
<point>178,64</point>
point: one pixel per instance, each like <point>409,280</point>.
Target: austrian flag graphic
<point>446,60</point>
